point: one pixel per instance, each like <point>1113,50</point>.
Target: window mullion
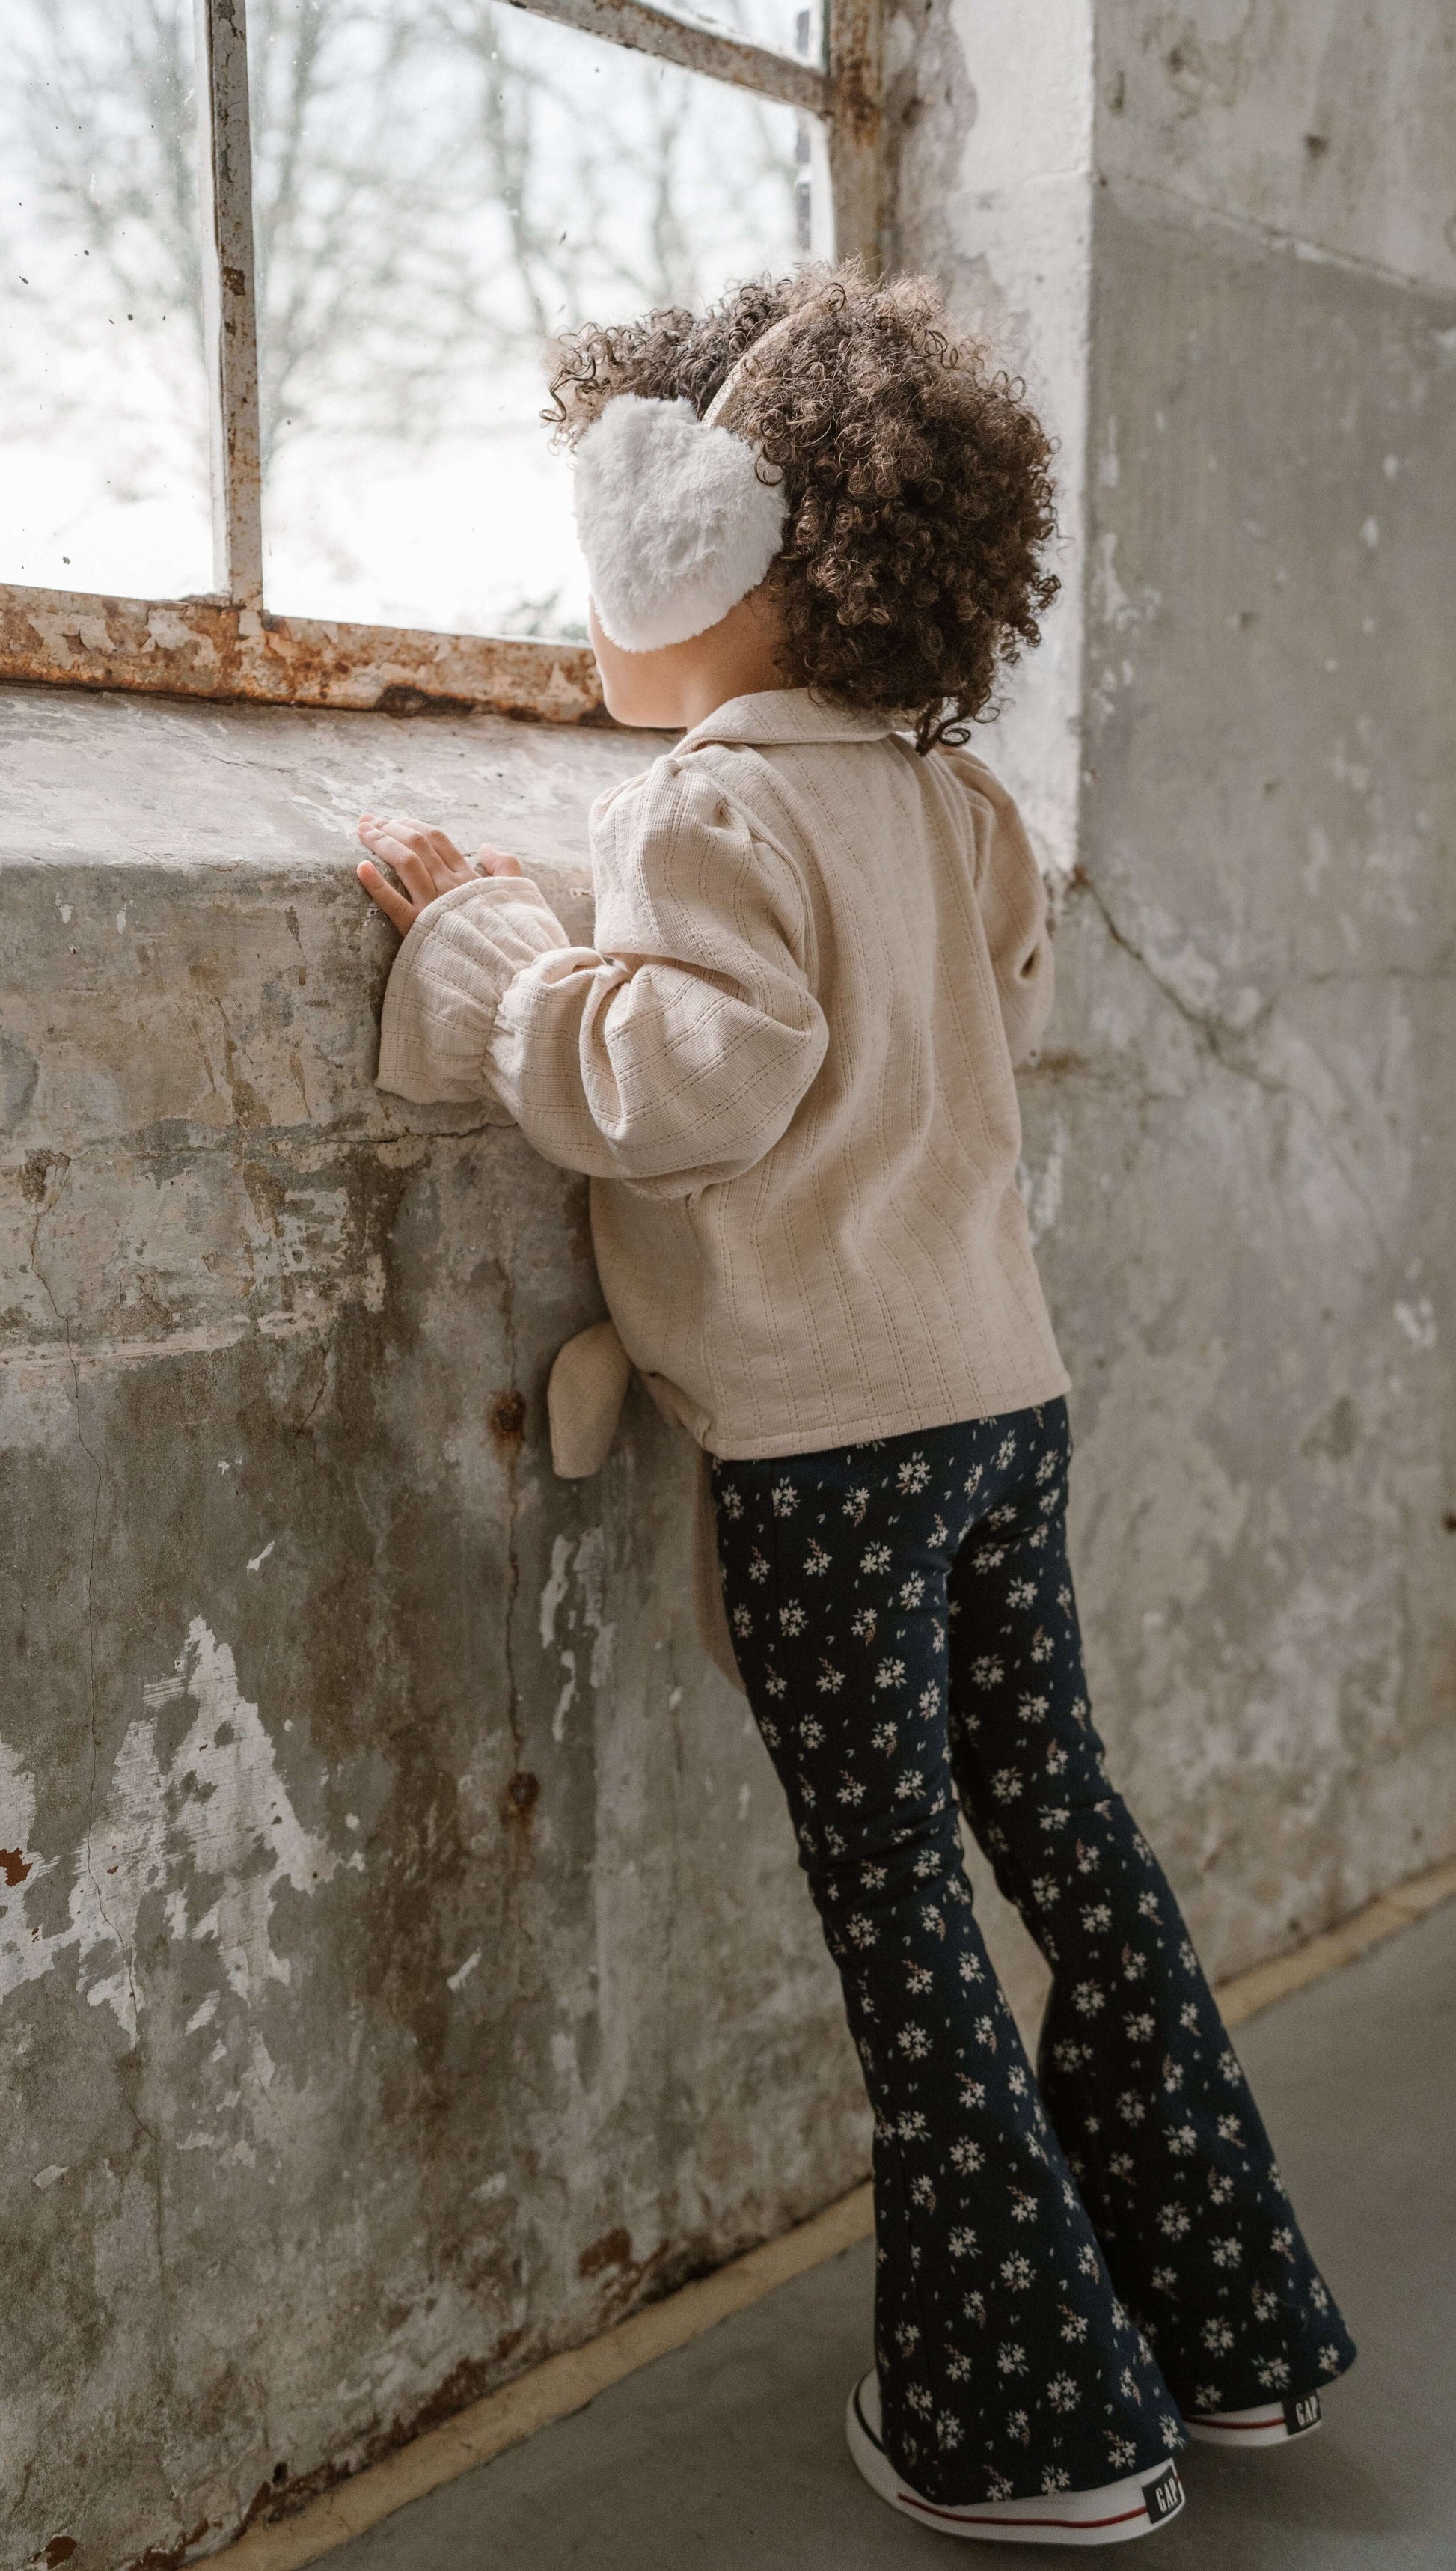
<point>639,27</point>
<point>855,139</point>
<point>230,314</point>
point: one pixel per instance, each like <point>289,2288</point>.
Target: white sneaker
<point>1112,2515</point>
<point>1268,2423</point>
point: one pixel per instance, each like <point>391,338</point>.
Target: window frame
<point>227,643</point>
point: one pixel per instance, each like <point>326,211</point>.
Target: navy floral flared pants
<point>1066,2262</point>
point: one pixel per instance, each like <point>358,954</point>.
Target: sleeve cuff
<point>448,980</point>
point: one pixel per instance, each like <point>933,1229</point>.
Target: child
<point>815,526</point>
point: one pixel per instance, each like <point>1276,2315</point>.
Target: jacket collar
<point>785,715</point>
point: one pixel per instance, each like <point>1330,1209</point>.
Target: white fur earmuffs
<point>675,520</point>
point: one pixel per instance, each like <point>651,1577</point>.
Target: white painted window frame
<point>228,645</point>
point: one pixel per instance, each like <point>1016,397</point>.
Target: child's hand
<point>426,864</point>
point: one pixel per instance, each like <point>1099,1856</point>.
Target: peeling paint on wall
<point>205,1825</point>
<point>584,1567</point>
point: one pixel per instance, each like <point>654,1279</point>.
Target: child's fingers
<point>432,849</point>
<point>414,870</point>
<point>378,834</point>
<point>396,906</point>
<point>491,861</point>
<point>417,834</point>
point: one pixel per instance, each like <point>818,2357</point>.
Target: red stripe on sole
<point>1234,2427</point>
<point>968,2517</point>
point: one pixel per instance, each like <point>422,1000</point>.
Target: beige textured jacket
<point>787,1067</point>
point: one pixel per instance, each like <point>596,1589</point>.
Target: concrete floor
<point>728,2456</point>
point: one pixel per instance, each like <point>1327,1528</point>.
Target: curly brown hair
<point>919,480</point>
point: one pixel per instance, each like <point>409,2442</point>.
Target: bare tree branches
<point>439,186</point>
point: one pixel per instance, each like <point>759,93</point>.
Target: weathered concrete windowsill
<point>196,970</point>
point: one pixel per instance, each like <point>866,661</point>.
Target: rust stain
<point>854,58</point>
<point>15,1871</point>
<point>613,2250</point>
<point>202,646</point>
<point>507,1415</point>
<point>625,2282</point>
<point>464,2383</point>
<point>60,2549</point>
<point>857,170</point>
<point>169,2557</point>
<point>521,1797</point>
<point>419,701</point>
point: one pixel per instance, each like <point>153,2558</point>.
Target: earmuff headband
<point>675,522</point>
<point>776,331</point>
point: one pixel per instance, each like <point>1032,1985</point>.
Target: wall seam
<point>1248,228</point>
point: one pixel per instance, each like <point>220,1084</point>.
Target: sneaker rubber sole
<point>1115,2514</point>
<point>1268,2423</point>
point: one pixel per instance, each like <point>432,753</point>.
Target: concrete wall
<point>1220,243</point>
<point>402,1963</point>
<point>1260,1056</point>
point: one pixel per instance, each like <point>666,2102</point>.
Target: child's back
<point>797,1100</point>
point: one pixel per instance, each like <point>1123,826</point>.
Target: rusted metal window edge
<point>642,29</point>
<point>195,647</point>
<point>855,132</point>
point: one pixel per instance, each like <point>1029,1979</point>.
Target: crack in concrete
<point>48,1205</point>
<point>1442,971</point>
<point>147,1143</point>
<point>131,2067</point>
<point>513,1506</point>
<point>1213,1029</point>
<point>1227,1046</point>
<point>324,1368</point>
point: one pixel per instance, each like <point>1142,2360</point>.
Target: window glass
<point>783,25</point>
<point>432,199</point>
<point>103,402</point>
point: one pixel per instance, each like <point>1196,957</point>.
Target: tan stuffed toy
<point>584,1401</point>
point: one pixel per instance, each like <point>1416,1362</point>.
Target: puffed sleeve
<point>671,1054</point>
<point>443,992</point>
